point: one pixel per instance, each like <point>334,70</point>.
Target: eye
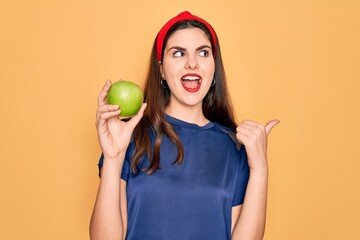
<point>204,53</point>
<point>178,53</point>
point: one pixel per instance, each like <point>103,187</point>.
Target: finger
<point>251,122</point>
<point>246,126</point>
<point>254,126</point>
<point>107,108</point>
<point>246,132</point>
<point>107,115</point>
<point>135,119</point>
<point>241,128</point>
<point>270,125</point>
<point>102,125</point>
<point>242,138</point>
<point>103,93</point>
<point>254,129</point>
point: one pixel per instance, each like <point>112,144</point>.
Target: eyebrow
<point>183,49</point>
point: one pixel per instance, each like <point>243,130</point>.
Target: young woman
<point>181,168</point>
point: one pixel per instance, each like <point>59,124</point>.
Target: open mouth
<point>191,82</point>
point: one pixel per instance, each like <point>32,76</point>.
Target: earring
<point>163,83</point>
<point>213,82</point>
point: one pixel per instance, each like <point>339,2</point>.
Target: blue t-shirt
<point>192,200</point>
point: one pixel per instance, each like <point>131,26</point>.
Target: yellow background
<point>298,61</point>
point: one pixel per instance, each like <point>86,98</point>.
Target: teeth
<point>191,78</point>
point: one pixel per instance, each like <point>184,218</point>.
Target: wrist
<point>260,171</point>
<point>114,161</point>
<point>115,157</point>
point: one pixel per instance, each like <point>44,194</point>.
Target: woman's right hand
<point>114,134</point>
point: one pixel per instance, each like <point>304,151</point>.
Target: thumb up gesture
<point>254,136</point>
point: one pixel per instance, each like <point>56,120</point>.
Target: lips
<point>191,82</point>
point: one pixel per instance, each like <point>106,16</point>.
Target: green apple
<point>127,95</point>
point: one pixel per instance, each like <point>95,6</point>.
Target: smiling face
<point>188,67</point>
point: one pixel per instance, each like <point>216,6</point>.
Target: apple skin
<point>127,95</point>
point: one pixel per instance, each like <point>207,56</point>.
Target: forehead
<point>188,37</point>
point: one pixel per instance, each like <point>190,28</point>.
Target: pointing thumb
<point>270,125</point>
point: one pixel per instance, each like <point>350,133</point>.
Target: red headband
<point>181,17</point>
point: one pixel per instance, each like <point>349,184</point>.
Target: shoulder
<point>227,133</point>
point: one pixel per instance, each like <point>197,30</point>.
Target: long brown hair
<point>217,106</point>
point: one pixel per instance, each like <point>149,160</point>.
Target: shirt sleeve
<point>125,170</point>
<point>241,179</point>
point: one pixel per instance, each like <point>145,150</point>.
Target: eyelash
<point>206,53</point>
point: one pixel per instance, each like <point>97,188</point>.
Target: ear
<point>161,70</point>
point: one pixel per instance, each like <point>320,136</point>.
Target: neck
<point>190,114</point>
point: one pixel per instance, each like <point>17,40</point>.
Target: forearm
<point>251,223</point>
<point>106,222</point>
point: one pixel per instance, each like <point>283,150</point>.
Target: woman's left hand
<point>254,136</point>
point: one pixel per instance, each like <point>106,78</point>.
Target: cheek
<point>210,70</point>
<point>172,71</point>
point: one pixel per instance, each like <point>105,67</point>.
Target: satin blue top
<point>192,200</point>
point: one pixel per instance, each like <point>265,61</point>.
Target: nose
<point>191,63</point>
